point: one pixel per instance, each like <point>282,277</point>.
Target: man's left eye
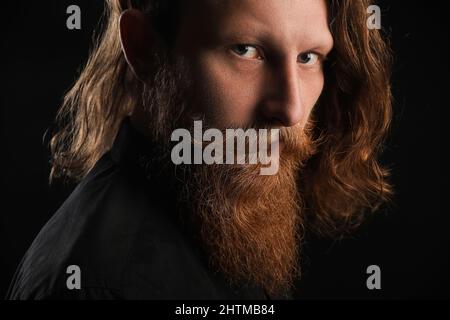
<point>308,58</point>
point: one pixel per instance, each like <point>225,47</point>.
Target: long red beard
<point>250,224</point>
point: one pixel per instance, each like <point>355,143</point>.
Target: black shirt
<point>118,227</point>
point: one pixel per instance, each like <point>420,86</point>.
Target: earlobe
<point>138,40</point>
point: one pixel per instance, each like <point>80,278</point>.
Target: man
<point>141,226</point>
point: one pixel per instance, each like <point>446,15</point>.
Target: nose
<point>283,103</point>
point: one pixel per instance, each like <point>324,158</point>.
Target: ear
<point>138,41</point>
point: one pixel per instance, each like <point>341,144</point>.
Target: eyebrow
<point>256,30</point>
<point>261,36</point>
<point>323,45</point>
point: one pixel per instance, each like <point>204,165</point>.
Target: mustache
<point>293,138</point>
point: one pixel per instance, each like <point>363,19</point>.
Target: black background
<point>409,240</point>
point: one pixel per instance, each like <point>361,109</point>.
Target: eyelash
<point>320,57</point>
<point>258,50</point>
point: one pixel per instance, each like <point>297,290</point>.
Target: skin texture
<point>252,61</point>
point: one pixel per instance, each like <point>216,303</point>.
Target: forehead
<point>292,22</point>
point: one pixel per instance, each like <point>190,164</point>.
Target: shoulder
<point>96,230</point>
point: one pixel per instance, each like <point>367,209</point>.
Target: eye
<point>308,58</point>
<point>246,51</point>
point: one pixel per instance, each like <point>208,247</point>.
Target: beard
<point>249,225</point>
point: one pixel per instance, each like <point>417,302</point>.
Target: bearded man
<point>139,226</point>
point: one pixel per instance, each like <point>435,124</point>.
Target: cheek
<point>227,97</point>
<point>312,87</point>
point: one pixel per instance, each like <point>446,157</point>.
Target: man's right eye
<point>246,51</point>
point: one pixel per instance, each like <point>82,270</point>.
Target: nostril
<point>288,117</point>
<point>278,115</point>
<point>276,123</point>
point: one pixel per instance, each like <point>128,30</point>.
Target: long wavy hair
<point>343,181</point>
